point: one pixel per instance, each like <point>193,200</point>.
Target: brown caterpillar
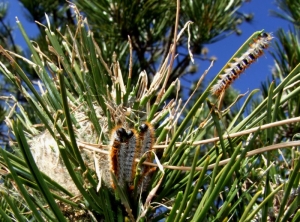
<point>125,147</point>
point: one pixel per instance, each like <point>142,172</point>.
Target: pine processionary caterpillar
<point>131,155</point>
<point>125,147</point>
<point>119,144</point>
<point>147,140</point>
<point>239,65</point>
<point>146,137</point>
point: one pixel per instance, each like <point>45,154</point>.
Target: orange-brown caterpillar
<point>238,67</point>
<point>118,152</point>
<point>125,147</point>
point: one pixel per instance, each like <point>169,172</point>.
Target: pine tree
<point>102,92</point>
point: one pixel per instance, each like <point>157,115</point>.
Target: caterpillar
<point>125,147</point>
<point>119,150</point>
<point>239,65</point>
<point>147,140</point>
<point>146,137</point>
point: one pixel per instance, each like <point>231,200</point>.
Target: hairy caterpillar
<point>239,65</point>
<point>119,151</point>
<point>125,147</point>
<point>147,139</point>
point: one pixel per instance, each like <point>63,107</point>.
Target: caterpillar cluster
<point>125,147</point>
<point>239,65</point>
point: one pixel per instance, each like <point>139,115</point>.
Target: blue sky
<point>223,49</point>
